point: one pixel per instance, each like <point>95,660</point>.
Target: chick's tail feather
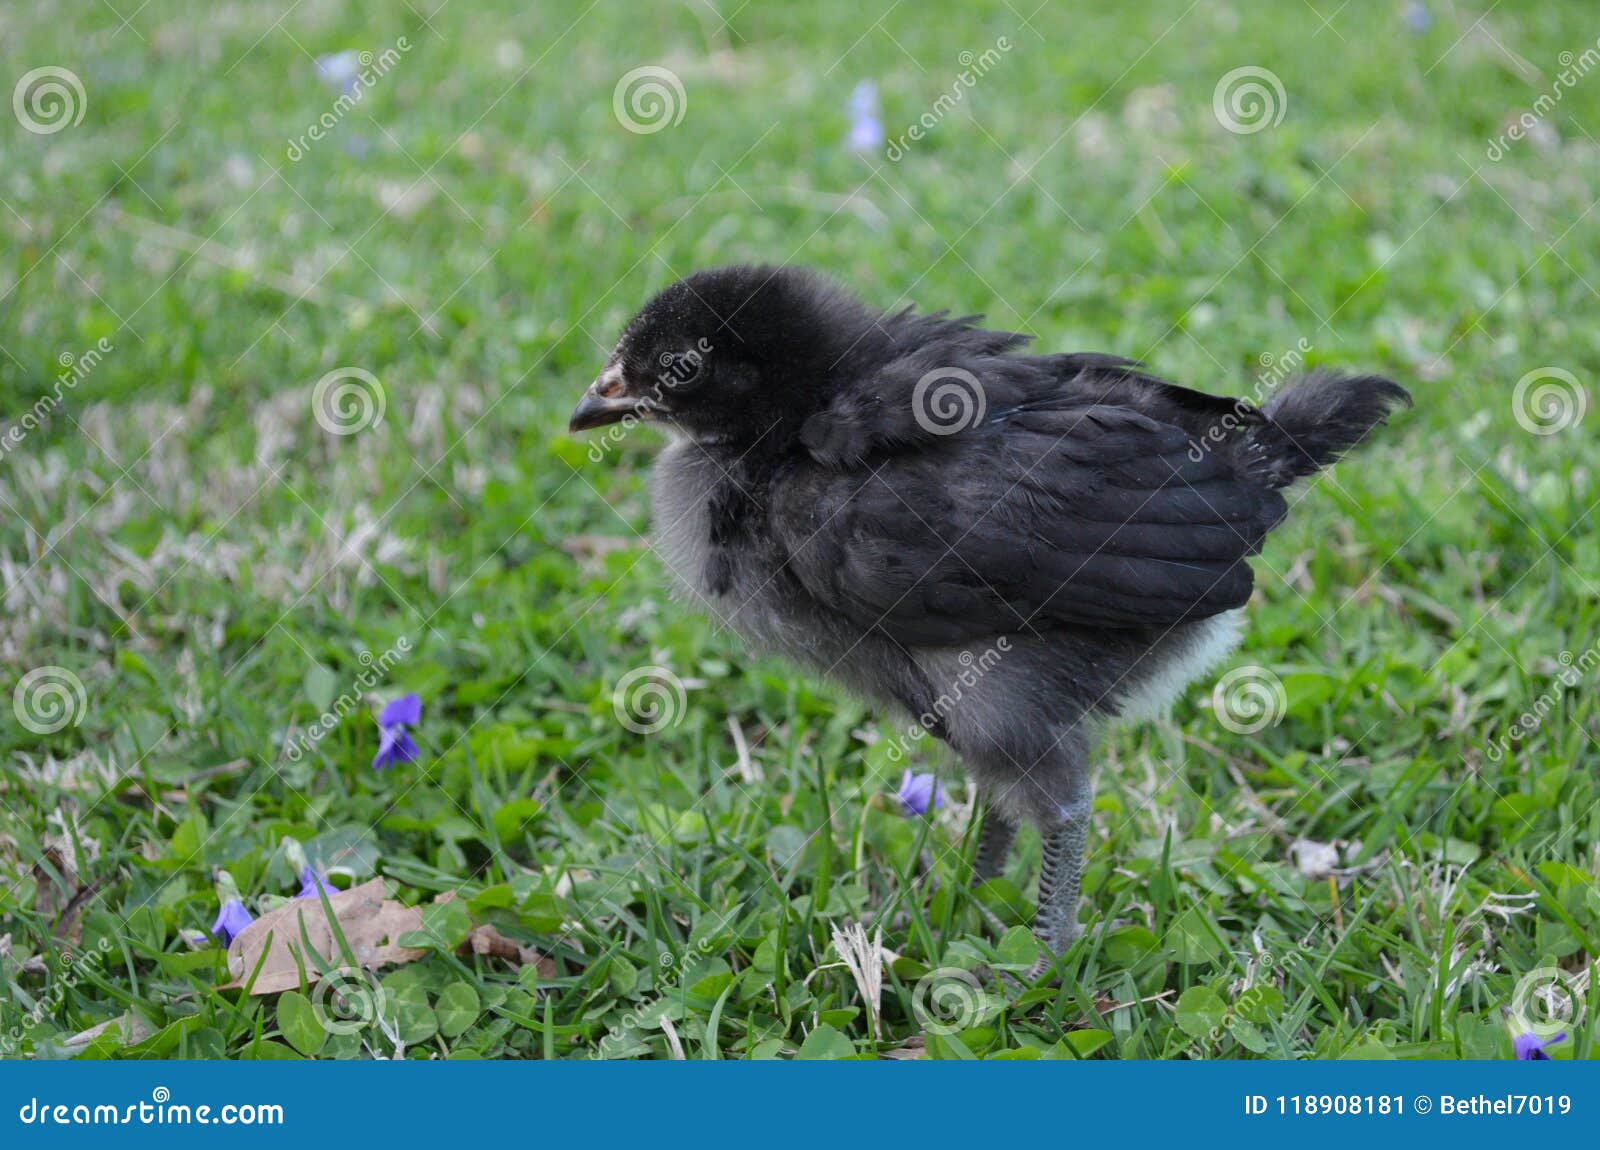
<point>1318,417</point>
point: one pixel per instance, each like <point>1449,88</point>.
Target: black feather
<point>1319,417</point>
<point>881,493</point>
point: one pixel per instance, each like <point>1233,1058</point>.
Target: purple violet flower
<point>312,883</point>
<point>407,709</point>
<point>866,128</point>
<point>920,793</point>
<point>232,918</point>
<point>341,71</point>
<point>1530,1047</point>
<point>395,744</point>
<point>231,921</point>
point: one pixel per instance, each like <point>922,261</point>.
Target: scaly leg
<point>994,845</point>
<point>1061,872</point>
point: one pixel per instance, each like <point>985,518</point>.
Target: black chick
<point>1011,548</point>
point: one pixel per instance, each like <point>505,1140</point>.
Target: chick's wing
<point>1090,514</point>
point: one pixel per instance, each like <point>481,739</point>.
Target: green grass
<point>184,539</point>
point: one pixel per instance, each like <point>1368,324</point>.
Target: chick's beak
<point>606,401</point>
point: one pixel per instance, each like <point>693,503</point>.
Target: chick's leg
<point>1061,869</point>
<point>994,845</point>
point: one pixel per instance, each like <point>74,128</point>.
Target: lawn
<point>283,402</point>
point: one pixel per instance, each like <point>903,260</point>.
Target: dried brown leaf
<point>60,896</point>
<point>486,940</point>
<point>913,1049</point>
<point>130,1029</point>
<point>596,546</point>
<point>371,923</point>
